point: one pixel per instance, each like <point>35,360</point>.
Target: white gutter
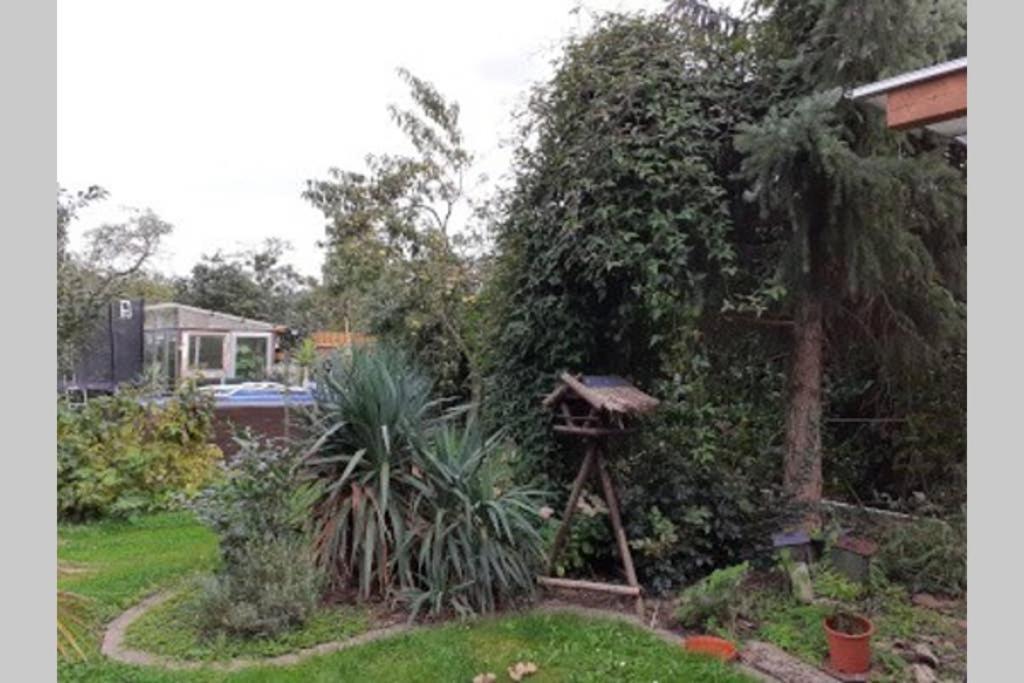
<point>872,90</point>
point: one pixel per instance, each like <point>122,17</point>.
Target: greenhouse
<point>186,342</point>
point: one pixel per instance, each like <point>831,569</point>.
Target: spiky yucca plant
<point>477,543</point>
<point>372,409</point>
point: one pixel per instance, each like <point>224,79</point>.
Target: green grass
<point>122,562</point>
<point>172,629</point>
<point>126,561</point>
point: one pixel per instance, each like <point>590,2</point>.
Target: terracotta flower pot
<point>850,653</point>
<point>711,645</point>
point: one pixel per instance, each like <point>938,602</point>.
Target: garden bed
<point>124,562</point>
<point>905,633</point>
<point>171,629</point>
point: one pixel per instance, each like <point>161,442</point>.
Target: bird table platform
<point>594,408</point>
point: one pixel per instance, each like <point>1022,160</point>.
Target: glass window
<point>251,358</point>
<point>206,351</point>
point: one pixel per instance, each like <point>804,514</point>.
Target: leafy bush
<point>695,491</point>
<point>714,601</point>
<point>927,555</point>
<point>828,583</point>
<point>257,499</point>
<point>477,544</point>
<point>118,455</point>
<point>795,628</point>
<point>270,586</point>
<point>411,506</point>
<point>589,543</point>
<point>268,581</point>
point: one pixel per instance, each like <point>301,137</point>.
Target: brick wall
<point>267,421</point>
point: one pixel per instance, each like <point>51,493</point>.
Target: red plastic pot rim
<point>711,645</point>
<point>868,632</point>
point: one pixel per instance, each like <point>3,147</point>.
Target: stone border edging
<point>114,648</point>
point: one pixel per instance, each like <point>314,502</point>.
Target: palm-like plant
<point>71,617</point>
<point>305,357</point>
<point>372,409</point>
<point>478,542</point>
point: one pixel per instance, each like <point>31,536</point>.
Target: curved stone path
<point>114,647</point>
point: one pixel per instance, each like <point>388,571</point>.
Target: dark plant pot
<point>849,653</point>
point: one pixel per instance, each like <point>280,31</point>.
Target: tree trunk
<point>802,477</point>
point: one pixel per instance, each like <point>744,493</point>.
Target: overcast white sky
<point>215,113</point>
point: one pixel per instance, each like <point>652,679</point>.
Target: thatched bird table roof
<point>596,405</point>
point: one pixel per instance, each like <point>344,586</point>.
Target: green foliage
<point>119,455</point>
<point>589,542</point>
<point>616,232</point>
<point>255,283</point>
<point>269,587</point>
<point>715,600</point>
<point>866,226</point>
<point>915,464</point>
<point>257,499</point>
<point>268,581</point>
<point>71,618</point>
<point>173,629</point>
<point>113,260</point>
<point>400,241</point>
<point>795,628</point>
<point>371,412</point>
<point>411,506</point>
<point>705,463</point>
<point>828,583</point>
<point>477,545</point>
<point>927,555</point>
<point>128,561</point>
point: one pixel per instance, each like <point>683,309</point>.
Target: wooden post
<point>620,532</point>
<point>570,507</point>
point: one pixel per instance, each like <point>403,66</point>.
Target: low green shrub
<point>695,495</point>
<point>927,555</point>
<point>173,629</point>
<point>795,628</point>
<point>714,601</point>
<point>588,544</point>
<point>257,498</point>
<point>829,583</point>
<point>268,581</point>
<point>271,586</point>
<point>118,455</point>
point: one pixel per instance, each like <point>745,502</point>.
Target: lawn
<point>122,562</point>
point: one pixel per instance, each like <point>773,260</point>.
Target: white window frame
<point>227,360</point>
<point>235,336</point>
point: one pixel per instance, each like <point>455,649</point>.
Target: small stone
<point>485,678</point>
<point>800,580</point>
<point>922,674</point>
